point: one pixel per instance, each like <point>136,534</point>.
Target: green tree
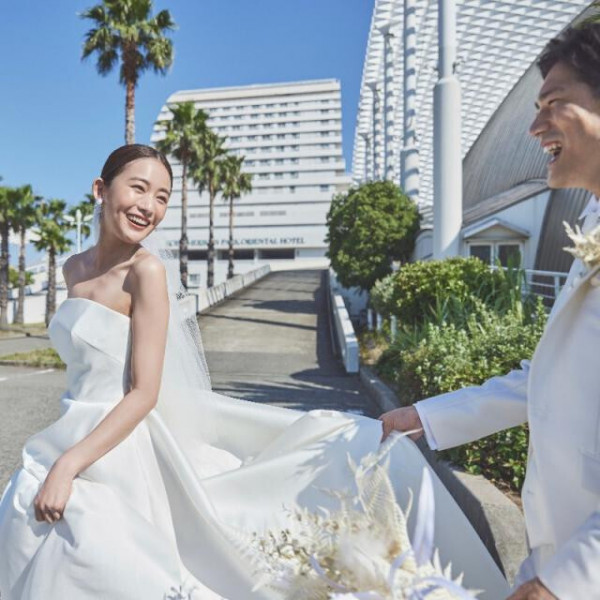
<point>369,227</point>
<point>208,171</point>
<point>51,232</point>
<point>13,278</point>
<point>235,183</point>
<point>125,31</point>
<point>24,204</point>
<point>7,219</point>
<point>182,134</point>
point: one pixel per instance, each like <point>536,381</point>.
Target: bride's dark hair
<point>121,157</point>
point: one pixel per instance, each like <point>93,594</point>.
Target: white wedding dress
<point>152,514</point>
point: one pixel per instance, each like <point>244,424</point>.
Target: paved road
<point>270,343</point>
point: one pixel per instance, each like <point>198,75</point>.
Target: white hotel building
<point>291,137</point>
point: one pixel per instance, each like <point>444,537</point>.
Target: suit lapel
<point>577,287</point>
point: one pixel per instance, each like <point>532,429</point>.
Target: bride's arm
<point>149,321</point>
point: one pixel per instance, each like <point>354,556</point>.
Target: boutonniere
<point>586,246</point>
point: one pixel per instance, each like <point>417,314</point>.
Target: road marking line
<point>27,374</point>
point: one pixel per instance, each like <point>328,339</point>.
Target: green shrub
<point>442,290</point>
<point>433,358</point>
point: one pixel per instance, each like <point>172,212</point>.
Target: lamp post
<point>78,220</point>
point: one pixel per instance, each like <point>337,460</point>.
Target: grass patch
<point>40,357</point>
<point>17,330</point>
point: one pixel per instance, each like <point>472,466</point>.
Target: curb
<point>497,520</point>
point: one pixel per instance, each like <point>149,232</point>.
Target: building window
<point>277,253</point>
<point>324,188</point>
<point>508,253</point>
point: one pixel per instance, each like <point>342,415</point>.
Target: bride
<point>137,486</point>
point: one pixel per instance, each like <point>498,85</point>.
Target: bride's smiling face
<point>135,200</point>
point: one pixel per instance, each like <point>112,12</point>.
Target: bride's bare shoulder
<point>73,266</point>
<point>148,273</point>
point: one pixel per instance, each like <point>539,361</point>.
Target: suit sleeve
<point>574,571</point>
<point>474,412</point>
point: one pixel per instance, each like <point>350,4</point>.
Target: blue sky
<point>59,119</point>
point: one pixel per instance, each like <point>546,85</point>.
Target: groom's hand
<point>401,419</point>
<point>533,590</point>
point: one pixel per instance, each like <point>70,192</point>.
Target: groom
<point>558,392</point>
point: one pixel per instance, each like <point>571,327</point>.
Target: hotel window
<point>268,114</point>
<point>280,148</point>
<point>267,125</point>
<point>324,188</point>
<point>278,175</point>
<point>295,147</point>
<point>266,137</point>
<point>294,174</point>
<point>292,189</point>
<point>263,176</point>
<point>279,161</point>
<point>324,159</point>
<point>281,136</point>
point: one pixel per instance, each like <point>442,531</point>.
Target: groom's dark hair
<point>118,159</point>
<point>578,48</point>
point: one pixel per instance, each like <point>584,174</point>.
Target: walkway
<point>271,343</point>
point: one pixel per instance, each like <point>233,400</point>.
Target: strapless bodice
<point>94,341</point>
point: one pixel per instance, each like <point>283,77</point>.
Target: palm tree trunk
<point>183,241</point>
<point>21,300</point>
<point>230,253</point>
<point>130,113</point>
<point>4,258</point>
<point>210,257</point>
<point>51,292</point>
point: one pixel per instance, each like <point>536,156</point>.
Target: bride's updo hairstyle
<point>121,157</point>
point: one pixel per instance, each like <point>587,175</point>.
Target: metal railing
<point>546,284</point>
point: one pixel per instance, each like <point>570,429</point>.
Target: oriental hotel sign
<point>262,241</point>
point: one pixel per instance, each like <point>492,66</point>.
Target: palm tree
<point>7,216</point>
<point>235,184</point>
<point>51,230</point>
<point>124,30</point>
<point>208,173</point>
<point>25,205</point>
<point>182,134</point>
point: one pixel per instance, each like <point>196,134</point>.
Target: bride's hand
<point>401,419</point>
<point>52,497</point>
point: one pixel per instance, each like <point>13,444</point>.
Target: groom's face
<point>567,126</point>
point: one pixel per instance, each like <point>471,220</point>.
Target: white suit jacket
<point>558,392</point>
